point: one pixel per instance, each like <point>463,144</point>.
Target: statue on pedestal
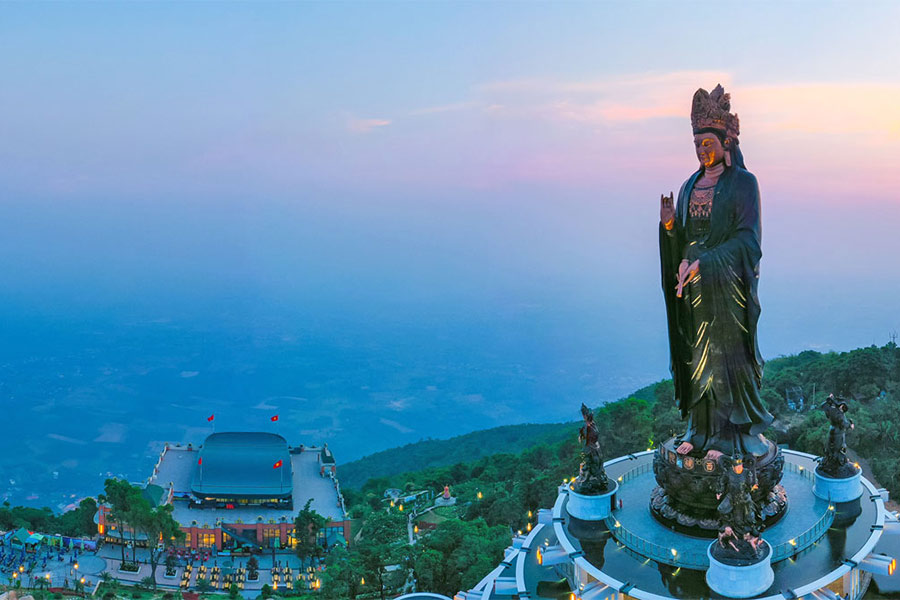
<point>445,499</point>
<point>834,463</point>
<point>592,479</point>
<point>710,249</point>
<point>741,519</point>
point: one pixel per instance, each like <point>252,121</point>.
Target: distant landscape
<point>97,398</point>
<point>868,377</point>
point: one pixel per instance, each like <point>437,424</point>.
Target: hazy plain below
<point>365,325</point>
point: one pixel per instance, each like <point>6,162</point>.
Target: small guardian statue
<point>592,479</point>
<point>740,517</point>
<point>834,463</point>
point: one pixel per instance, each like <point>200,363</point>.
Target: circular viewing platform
<point>814,544</point>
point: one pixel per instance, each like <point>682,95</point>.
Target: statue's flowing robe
<point>715,359</point>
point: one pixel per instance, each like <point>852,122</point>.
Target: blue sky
<point>462,173</point>
<point>215,98</point>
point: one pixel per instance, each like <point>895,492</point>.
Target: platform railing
<point>648,549</point>
<point>800,470</point>
<point>805,539</point>
<point>635,472</point>
<point>699,560</point>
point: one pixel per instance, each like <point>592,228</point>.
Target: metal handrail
<point>669,556</point>
<point>805,539</point>
<point>635,472</point>
<point>800,470</point>
<point>696,560</point>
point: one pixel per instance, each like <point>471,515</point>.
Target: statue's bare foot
<point>713,455</point>
<point>684,448</point>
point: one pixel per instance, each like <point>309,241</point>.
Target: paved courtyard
<point>91,566</point>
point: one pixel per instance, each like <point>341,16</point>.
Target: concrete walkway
<point>108,558</point>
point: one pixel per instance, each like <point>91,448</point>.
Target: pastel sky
<point>115,98</point>
<point>439,154</point>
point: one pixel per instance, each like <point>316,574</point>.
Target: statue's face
<point>709,149</point>
<point>739,468</point>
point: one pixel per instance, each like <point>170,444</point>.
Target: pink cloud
<point>365,125</point>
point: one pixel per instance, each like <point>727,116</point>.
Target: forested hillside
<point>463,448</point>
<point>500,493</point>
<point>860,375</point>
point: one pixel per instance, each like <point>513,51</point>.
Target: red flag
<point>210,417</point>
<point>200,461</point>
<point>277,465</point>
<point>275,418</point>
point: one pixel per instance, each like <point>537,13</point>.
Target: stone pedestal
<point>740,580</point>
<point>686,501</point>
<point>592,508</point>
<point>838,490</point>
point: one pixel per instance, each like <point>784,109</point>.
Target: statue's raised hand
<point>667,210</point>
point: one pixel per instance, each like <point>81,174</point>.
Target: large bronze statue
<point>709,244</point>
<point>592,479</point>
<point>709,240</point>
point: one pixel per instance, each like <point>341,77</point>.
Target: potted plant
<point>253,569</point>
<point>170,566</point>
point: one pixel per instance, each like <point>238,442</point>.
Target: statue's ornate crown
<point>712,110</point>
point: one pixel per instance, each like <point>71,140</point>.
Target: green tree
<point>383,534</point>
<point>160,528</point>
<point>307,526</point>
<point>343,576</point>
<point>120,496</point>
<point>129,509</point>
<point>457,555</point>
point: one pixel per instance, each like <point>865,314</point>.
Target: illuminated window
<point>270,535</point>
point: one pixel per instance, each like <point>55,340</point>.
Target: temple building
<point>242,491</point>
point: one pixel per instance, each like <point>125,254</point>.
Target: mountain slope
<point>462,448</point>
